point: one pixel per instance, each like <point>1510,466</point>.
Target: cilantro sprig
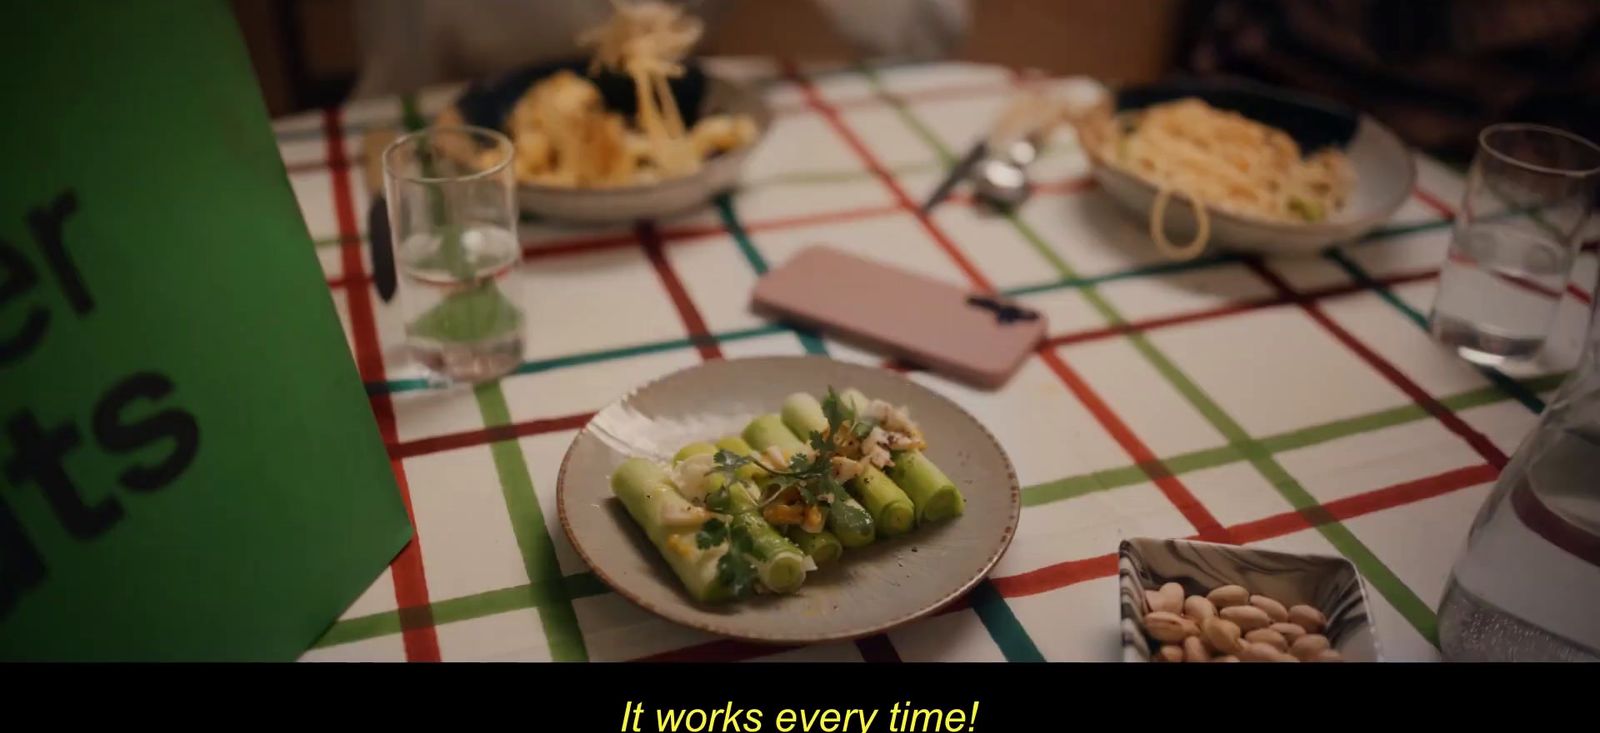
<point>810,475</point>
<point>836,410</point>
<point>802,474</point>
<point>738,573</point>
<point>734,569</point>
<point>714,532</point>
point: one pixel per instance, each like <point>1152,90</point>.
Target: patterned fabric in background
<point>1438,71</point>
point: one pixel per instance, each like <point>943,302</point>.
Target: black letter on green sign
<point>20,565</point>
<point>41,457</point>
<point>121,436</point>
<point>20,280</point>
<point>47,224</point>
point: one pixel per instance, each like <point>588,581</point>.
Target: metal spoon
<point>1001,180</point>
<point>997,166</point>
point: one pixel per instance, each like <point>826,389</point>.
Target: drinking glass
<point>1530,191</point>
<point>453,220</point>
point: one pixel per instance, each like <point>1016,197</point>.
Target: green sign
<point>189,468</point>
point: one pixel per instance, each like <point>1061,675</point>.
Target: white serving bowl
<point>1384,167</point>
<point>487,104</point>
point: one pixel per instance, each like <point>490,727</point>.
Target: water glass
<point>1530,191</point>
<point>453,218</point>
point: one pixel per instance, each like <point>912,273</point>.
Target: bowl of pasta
<point>1245,167</point>
<point>635,130</point>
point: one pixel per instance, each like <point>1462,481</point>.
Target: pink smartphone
<point>977,338</point>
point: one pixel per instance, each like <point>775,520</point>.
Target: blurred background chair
<point>307,54</point>
<point>1435,70</point>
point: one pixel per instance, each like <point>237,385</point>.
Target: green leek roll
<point>822,547</point>
<point>671,522</point>
<point>780,564</point>
<point>934,494</point>
<point>848,520</point>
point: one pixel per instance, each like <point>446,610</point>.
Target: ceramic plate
<point>1330,584</point>
<point>489,103</point>
<point>1384,167</point>
<point>870,589</point>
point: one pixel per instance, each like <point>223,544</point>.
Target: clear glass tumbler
<point>1530,192</point>
<point>453,218</point>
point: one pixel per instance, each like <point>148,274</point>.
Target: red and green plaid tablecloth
<point>1296,404</point>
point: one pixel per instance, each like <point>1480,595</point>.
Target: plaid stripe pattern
<point>1296,404</point>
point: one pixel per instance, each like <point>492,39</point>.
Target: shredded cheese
<point>691,475</point>
<point>674,517</point>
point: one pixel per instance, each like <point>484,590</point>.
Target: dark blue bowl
<point>489,102</point>
<point>1313,122</point>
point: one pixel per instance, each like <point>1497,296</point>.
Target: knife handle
<point>384,275</point>
<point>1031,115</point>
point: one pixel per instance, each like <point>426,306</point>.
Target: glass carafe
<point>1527,585</point>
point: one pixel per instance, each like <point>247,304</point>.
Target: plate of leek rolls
<point>788,500</point>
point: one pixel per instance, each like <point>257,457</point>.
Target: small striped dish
<point>1330,584</point>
